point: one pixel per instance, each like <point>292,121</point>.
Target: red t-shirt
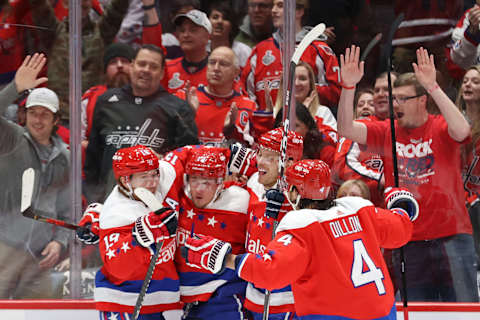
<point>429,165</point>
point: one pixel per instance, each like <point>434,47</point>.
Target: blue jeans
<point>442,269</point>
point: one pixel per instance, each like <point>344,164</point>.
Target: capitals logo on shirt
<point>415,159</point>
<point>268,58</point>
<point>175,82</point>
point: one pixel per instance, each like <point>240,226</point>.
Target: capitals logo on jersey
<point>268,58</point>
<point>416,159</point>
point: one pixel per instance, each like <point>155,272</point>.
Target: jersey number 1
<point>373,274</point>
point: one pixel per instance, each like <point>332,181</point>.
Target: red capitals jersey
<point>327,124</point>
<point>464,51</point>
<point>429,166</point>
<point>471,170</point>
<point>12,48</point>
<point>426,21</point>
<point>211,114</point>
<point>89,99</point>
<point>351,162</point>
<point>264,68</point>
<point>332,260</point>
<point>177,75</point>
<point>224,218</point>
<point>125,262</point>
<point>259,234</point>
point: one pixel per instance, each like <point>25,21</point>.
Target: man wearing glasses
<point>440,259</point>
<point>257,24</point>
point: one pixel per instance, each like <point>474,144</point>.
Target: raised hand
<point>26,76</point>
<point>351,69</point>
<point>191,95</point>
<point>425,69</point>
<point>268,99</point>
<point>231,116</point>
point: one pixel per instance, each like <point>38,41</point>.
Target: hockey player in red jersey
<point>259,229</point>
<point>329,251</point>
<point>264,66</point>
<point>207,207</point>
<point>129,233</point>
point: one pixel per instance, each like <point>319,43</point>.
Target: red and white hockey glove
<point>403,199</point>
<point>242,160</point>
<point>89,227</point>
<point>206,253</point>
<point>155,227</point>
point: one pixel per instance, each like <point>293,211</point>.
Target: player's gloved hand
<point>241,159</point>
<point>89,228</point>
<point>403,199</point>
<point>155,227</point>
<point>275,199</point>
<point>206,253</point>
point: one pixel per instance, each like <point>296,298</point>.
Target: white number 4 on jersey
<point>358,276</point>
<point>286,239</point>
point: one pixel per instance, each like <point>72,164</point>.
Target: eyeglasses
<point>402,100</point>
<point>261,6</point>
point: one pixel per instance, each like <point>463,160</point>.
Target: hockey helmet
<point>208,162</point>
<point>130,160</point>
<point>310,177</point>
<point>272,140</point>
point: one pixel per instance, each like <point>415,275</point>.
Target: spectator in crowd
<point>354,188</point>
<point>464,51</point>
<point>224,29</point>
<point>116,60</point>
<point>221,113</point>
<point>264,66</point>
<point>193,31</point>
<point>351,161</point>
<point>139,113</point>
<point>306,93</point>
<point>441,255</point>
<point>28,248</point>
<point>315,145</point>
<point>257,24</point>
<point>427,23</point>
<point>380,96</point>
<point>468,101</point>
<point>96,36</point>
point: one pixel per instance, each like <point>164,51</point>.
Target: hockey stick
<point>311,36</point>
<point>375,40</point>
<point>28,182</point>
<point>389,50</point>
<point>153,204</point>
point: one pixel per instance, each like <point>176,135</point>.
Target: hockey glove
<point>242,159</point>
<point>403,199</point>
<point>275,199</point>
<point>89,227</point>
<point>206,253</point>
<point>155,227</point>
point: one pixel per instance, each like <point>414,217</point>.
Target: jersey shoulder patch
<point>120,211</point>
<point>233,198</point>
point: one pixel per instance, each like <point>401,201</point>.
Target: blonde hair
<point>314,104</point>
<point>347,185</point>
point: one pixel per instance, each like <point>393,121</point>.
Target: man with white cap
<point>193,31</point>
<point>28,248</point>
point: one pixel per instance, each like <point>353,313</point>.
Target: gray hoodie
<point>18,151</point>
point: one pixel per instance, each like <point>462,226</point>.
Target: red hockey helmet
<point>310,177</point>
<point>208,162</point>
<point>272,140</point>
<point>130,160</point>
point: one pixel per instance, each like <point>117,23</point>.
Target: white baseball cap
<point>43,97</point>
<point>196,16</point>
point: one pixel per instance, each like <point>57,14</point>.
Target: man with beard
<point>139,113</point>
<point>117,61</point>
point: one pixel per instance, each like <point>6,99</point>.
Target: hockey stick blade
<point>28,182</point>
<point>148,199</point>
<point>375,40</point>
<point>153,204</point>
<point>311,36</point>
<point>29,213</point>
